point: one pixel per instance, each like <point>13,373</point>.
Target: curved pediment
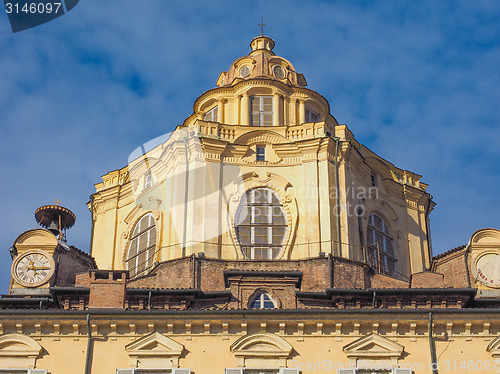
<point>36,237</point>
<point>18,351</point>
<point>19,345</point>
<point>494,347</point>
<point>261,137</point>
<point>261,350</point>
<point>380,167</point>
<point>261,344</point>
<point>373,346</point>
<point>263,178</point>
<point>141,166</point>
<point>486,238</point>
<point>388,211</point>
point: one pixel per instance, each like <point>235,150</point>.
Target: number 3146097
<point>32,8</point>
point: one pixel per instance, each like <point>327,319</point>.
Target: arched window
<point>380,249</point>
<point>260,224</point>
<point>142,246</point>
<point>261,300</point>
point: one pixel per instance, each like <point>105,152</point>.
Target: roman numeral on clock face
<point>33,269</point>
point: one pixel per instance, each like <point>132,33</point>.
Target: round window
<point>244,71</point>
<point>278,72</point>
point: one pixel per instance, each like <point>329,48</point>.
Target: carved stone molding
<point>261,350</point>
<point>18,351</point>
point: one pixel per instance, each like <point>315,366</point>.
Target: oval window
<point>244,71</point>
<point>278,72</point>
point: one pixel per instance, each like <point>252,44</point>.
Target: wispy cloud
<point>417,82</point>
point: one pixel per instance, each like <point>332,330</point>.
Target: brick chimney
<point>107,288</point>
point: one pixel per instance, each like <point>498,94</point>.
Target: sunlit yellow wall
<point>300,168</point>
<point>207,344</point>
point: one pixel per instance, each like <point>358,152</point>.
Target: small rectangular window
<point>261,153</point>
<point>212,115</point>
<point>262,371</point>
<point>311,116</point>
<point>234,371</point>
<point>147,181</point>
<point>23,371</point>
<point>347,371</point>
<point>374,180</point>
<point>153,371</point>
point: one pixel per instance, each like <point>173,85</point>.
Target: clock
<point>33,268</point>
<point>488,269</point>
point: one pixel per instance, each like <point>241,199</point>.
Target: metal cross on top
<point>57,202</point>
<point>261,24</point>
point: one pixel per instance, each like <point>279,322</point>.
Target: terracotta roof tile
<point>78,250</point>
<point>449,252</point>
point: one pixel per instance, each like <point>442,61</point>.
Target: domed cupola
<point>261,89</point>
<point>261,63</point>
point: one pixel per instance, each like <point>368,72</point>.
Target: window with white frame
<point>380,249</point>
<point>147,180</point>
<point>261,371</point>
<point>261,300</point>
<point>153,371</point>
<point>311,116</point>
<point>23,371</point>
<point>261,153</point>
<point>212,115</point>
<point>260,224</point>
<point>261,111</point>
<point>142,246</point>
<point>374,371</point>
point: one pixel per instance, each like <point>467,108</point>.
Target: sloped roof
<point>437,257</point>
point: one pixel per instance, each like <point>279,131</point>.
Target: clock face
<point>33,268</point>
<point>488,269</point>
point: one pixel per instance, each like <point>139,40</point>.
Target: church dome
<point>261,89</point>
<point>263,63</point>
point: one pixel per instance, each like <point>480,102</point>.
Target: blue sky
<point>417,82</point>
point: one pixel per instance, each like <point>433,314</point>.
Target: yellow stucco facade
<point>259,237</point>
<point>200,173</point>
<point>207,343</point>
